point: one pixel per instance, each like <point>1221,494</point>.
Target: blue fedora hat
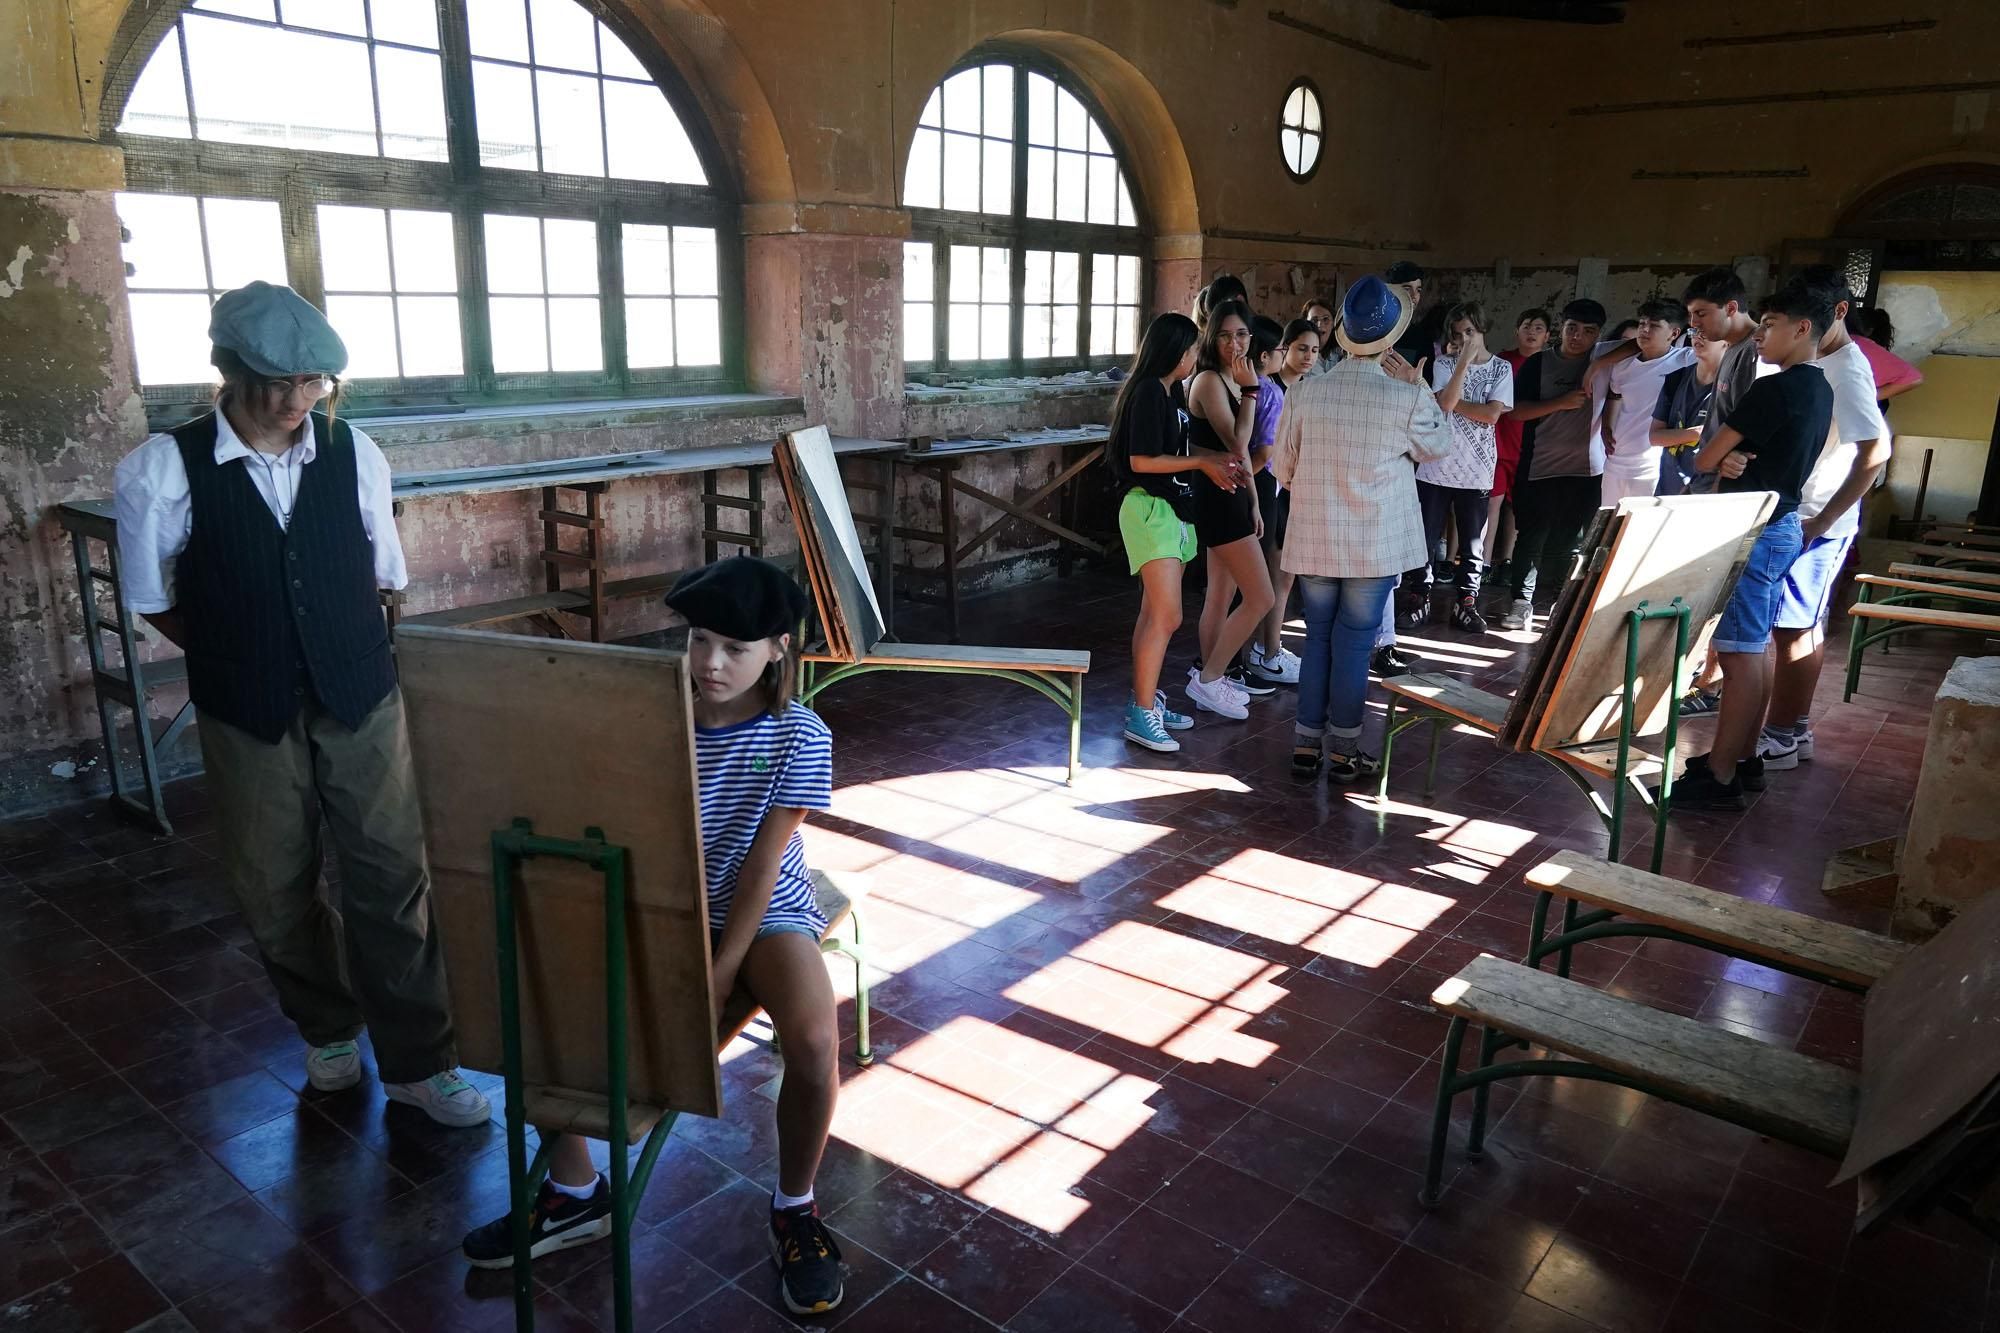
<point>1372,317</point>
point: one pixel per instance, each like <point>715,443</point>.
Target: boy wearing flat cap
<point>255,537</point>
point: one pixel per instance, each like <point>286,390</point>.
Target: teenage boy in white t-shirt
<point>1632,387</point>
<point>1856,451</point>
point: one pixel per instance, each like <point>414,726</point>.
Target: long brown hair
<point>781,678</point>
<point>1210,355</point>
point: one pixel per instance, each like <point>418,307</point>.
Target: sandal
<point>1305,761</point>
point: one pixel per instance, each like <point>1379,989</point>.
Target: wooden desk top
<point>602,467</point>
<point>1024,439</point>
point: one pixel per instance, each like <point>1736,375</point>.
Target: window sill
<point>506,420</point>
<point>995,391</point>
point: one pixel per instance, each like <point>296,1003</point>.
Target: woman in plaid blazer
<point>1346,446</point>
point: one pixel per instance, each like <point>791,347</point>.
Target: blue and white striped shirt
<point>745,770</point>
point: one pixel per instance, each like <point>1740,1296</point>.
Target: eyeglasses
<point>314,387</point>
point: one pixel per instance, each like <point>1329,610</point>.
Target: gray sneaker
<point>445,1097</point>
<point>1520,614</point>
<point>334,1067</point>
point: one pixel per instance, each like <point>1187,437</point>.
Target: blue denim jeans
<point>1342,616</point>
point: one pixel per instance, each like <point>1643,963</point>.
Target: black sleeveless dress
<point>1220,517</point>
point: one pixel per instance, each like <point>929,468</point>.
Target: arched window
<point>1025,241</point>
<point>491,199</point>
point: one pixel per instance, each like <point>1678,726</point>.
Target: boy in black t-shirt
<point>1768,441</point>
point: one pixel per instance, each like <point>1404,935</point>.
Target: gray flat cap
<point>276,331</point>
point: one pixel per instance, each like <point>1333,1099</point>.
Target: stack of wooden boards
<point>1918,1125</point>
<point>851,620</point>
<point>1569,703</point>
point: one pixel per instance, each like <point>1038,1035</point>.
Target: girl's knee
<point>811,1053</point>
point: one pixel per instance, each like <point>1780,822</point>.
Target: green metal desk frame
<point>1859,636</point>
<point>1480,1080</point>
<point>1062,688</point>
<point>511,846</point>
<point>1612,813</point>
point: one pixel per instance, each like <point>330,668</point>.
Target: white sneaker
<point>1776,754</point>
<point>445,1097</point>
<point>1217,696</point>
<point>1520,615</point>
<point>1804,739</point>
<point>1281,668</point>
<point>333,1067</point>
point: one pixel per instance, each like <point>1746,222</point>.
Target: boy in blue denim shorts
<point>1768,441</point>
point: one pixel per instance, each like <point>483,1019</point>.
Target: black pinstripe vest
<point>272,612</point>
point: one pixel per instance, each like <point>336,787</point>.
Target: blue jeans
<point>1745,626</point>
<point>1341,619</point>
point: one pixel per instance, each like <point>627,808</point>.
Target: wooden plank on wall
<point>570,736</point>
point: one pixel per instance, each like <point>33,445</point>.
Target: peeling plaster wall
<point>67,414</point>
<point>1459,149</point>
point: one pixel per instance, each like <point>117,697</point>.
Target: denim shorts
<point>1809,583</point>
<point>767,928</point>
<point>1746,622</point>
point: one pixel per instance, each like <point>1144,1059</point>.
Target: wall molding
<point>1282,19</point>
<point>1813,34</point>
<point>1778,99</point>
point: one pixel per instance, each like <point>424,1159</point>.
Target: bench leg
<point>1388,745</point>
<point>1853,658</point>
<point>1075,727</point>
<point>1454,1043</point>
<point>1431,775</point>
<point>1490,1042</point>
<point>864,1055</point>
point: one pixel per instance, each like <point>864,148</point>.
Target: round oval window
<point>1299,129</point>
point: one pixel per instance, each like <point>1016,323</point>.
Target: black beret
<point>740,598</point>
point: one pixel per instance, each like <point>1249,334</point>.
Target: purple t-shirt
<point>1264,427</point>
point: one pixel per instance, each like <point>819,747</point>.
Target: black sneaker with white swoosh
<point>558,1222</point>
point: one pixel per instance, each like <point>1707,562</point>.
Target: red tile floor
<point>1153,1053</point>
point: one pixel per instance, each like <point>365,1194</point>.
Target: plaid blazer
<point>1348,443</point>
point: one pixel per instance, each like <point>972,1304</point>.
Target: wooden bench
<point>1796,1098</point>
<point>1054,673</point>
<point>1936,574</point>
<point>1942,555</point>
<point>1895,618</point>
<point>555,1111</point>
<point>1627,901</point>
<point>1978,537</point>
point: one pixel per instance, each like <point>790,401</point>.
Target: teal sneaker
<point>1169,719</point>
<point>1144,727</point>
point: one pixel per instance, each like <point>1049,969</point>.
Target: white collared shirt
<point>155,514</point>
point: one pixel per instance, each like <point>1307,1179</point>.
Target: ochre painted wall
<point>1529,179</point>
<point>1455,145</point>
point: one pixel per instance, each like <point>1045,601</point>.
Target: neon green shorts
<point>1152,530</point>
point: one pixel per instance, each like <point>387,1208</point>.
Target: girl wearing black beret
<point>762,761</point>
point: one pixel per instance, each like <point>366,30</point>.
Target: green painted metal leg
<point>1431,774</point>
<point>1454,1042</point>
<point>1854,644</point>
<point>1388,746</point>
<point>1490,1042</point>
<point>1075,727</point>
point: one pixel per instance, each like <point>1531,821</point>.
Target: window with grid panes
<point>491,199</point>
<point>1026,243</point>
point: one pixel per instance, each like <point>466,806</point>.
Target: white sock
<point>575,1191</point>
<point>782,1202</point>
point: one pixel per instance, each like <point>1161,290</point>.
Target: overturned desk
<point>941,460</point>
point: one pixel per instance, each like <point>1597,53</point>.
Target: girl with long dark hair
<point>1222,411</point>
<point>1148,455</point>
